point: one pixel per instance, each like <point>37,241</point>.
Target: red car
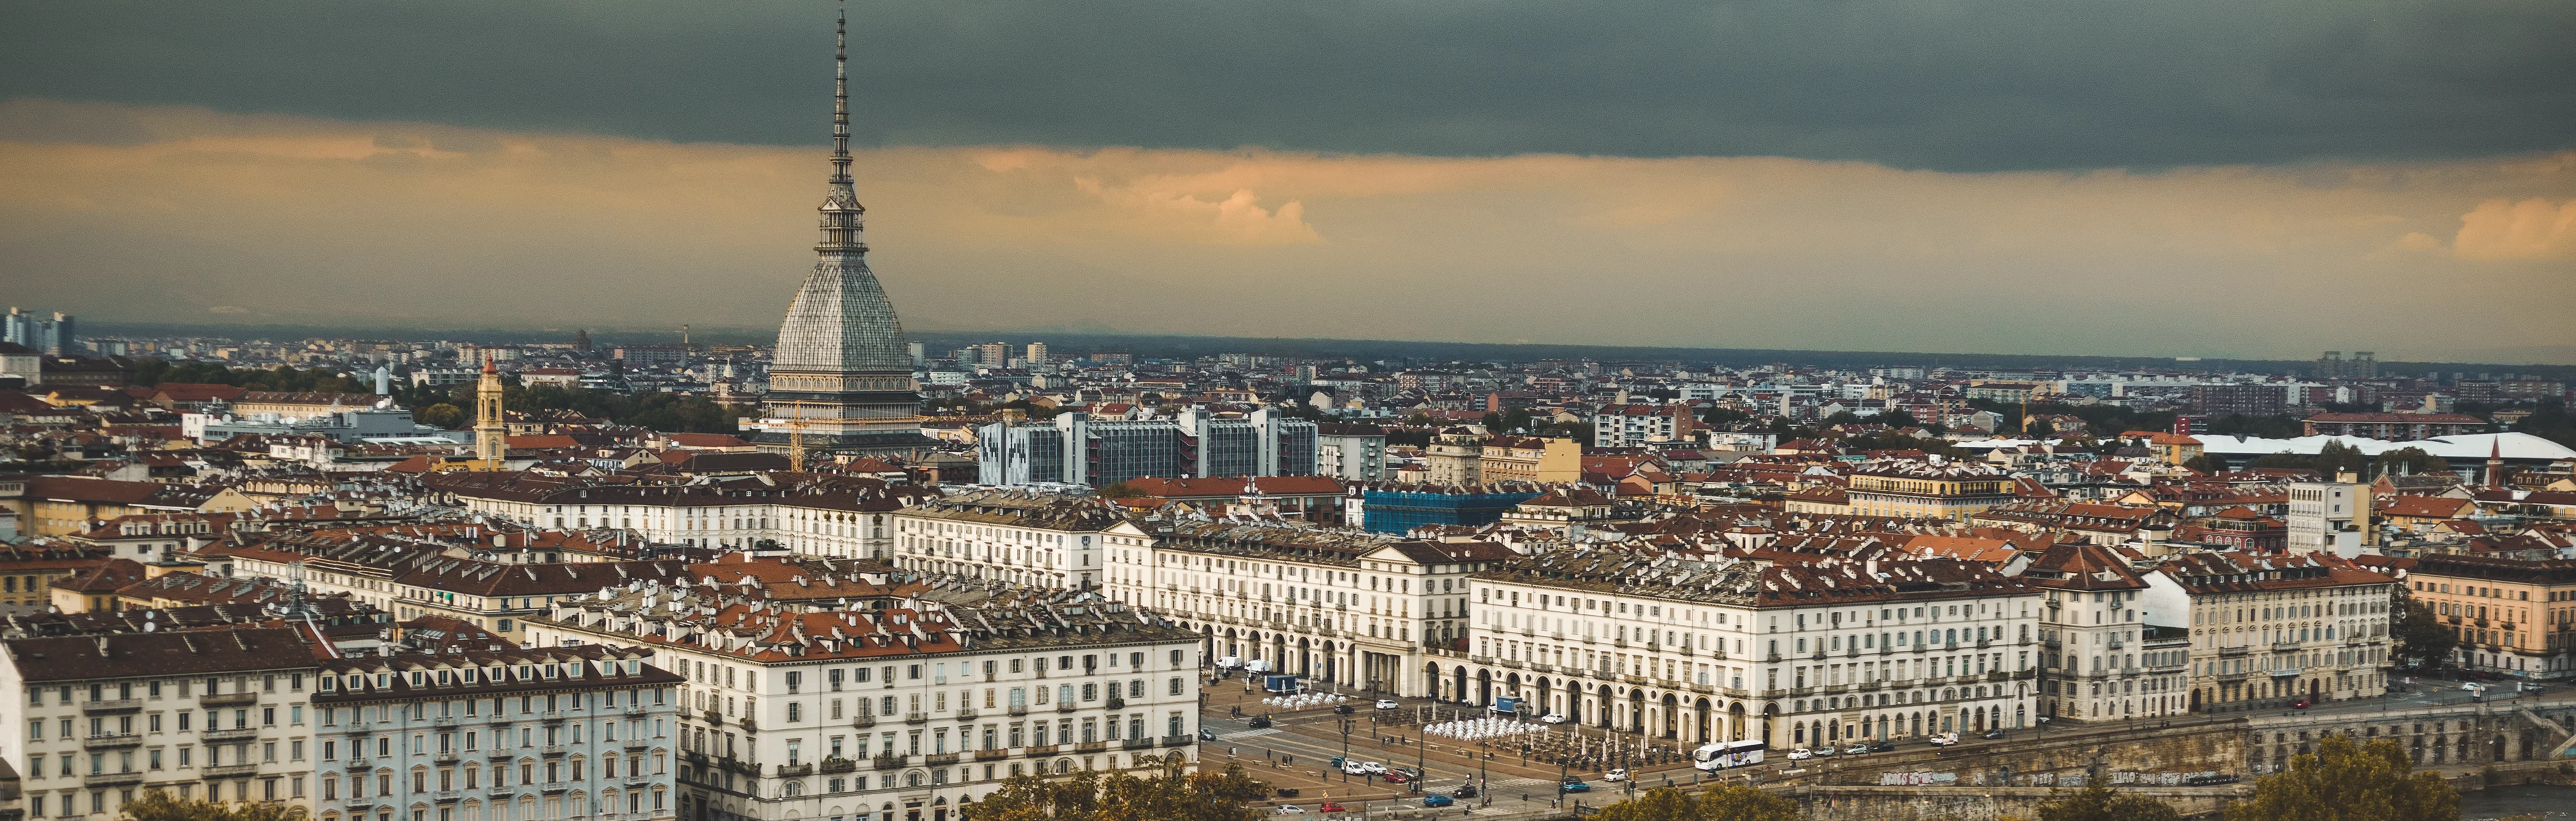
<point>1393,777</point>
<point>2300,704</point>
<point>1331,806</point>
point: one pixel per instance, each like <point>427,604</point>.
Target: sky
<point>2252,178</point>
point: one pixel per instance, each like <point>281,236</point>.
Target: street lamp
<point>1484,779</point>
<point>1346,751</point>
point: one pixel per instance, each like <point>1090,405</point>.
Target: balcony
<point>939,759</point>
<point>838,765</point>
<point>968,713</point>
<point>795,770</point>
<point>1117,703</point>
<point>1091,747</point>
<point>449,796</point>
<point>228,699</point>
<point>112,742</point>
<point>892,762</point>
<point>1041,750</point>
<point>713,718</point>
<point>120,779</point>
<point>916,717</point>
<point>749,726</point>
<point>864,721</point>
<point>231,770</point>
<point>1019,709</point>
<point>638,743</point>
<point>1064,707</point>
<point>2285,647</point>
<point>556,750</point>
<point>991,755</point>
<point>2227,652</point>
<point>242,734</point>
<point>121,705</point>
<point>1145,743</point>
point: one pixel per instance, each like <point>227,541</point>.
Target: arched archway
<point>1485,687</point>
<point>1460,693</point>
<point>1735,721</point>
<point>1701,732</point>
<point>1637,710</point>
<point>1431,681</point>
<point>1604,709</point>
<point>1770,723</point>
<point>1669,721</point>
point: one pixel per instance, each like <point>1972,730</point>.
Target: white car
<point>1945,739</point>
<point>1354,768</point>
<point>1856,749</point>
<point>2472,686</point>
<point>1553,718</point>
<point>1372,767</point>
<point>1387,704</point>
<point>1801,754</point>
<point>1619,774</point>
<point>1291,809</point>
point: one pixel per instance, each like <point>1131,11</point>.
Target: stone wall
<point>2460,735</point>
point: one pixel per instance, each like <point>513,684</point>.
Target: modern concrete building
<point>1075,449</point>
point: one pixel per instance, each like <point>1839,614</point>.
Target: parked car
<point>1856,749</point>
<point>1259,722</point>
<point>1408,772</point>
<point>1801,754</point>
<point>1553,718</point>
<point>1824,752</point>
<point>1387,704</point>
<point>1393,777</point>
<point>1945,739</point>
<point>1373,767</point>
<point>1437,800</point>
<point>2299,704</point>
<point>1330,806</point>
<point>1881,746</point>
<point>1291,809</point>
<point>1615,775</point>
<point>1354,768</point>
<point>1994,733</point>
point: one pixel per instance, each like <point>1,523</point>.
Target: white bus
<point>1720,755</point>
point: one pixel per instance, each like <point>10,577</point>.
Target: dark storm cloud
<point>2000,84</point>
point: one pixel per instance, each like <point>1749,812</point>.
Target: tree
<point>1719,416</point>
<point>1733,802</point>
<point>2409,460</point>
<point>1090,795</point>
<point>157,805</point>
<point>2350,782</point>
<point>442,415</point>
<point>2422,641</point>
<point>2100,803</point>
<point>2206,463</point>
<point>1120,490</point>
<point>2337,457</point>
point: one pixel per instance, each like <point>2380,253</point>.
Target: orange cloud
<point>2528,229</point>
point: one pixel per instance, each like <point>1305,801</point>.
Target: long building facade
<point>1074,449</point>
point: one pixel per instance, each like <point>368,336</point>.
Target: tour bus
<point>1719,755</point>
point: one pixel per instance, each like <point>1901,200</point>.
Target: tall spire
<point>841,101</point>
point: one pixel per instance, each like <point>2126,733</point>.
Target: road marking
<point>1247,733</point>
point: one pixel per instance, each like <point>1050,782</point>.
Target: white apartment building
<point>495,596</point>
<point>899,708</point>
<point>1351,453</point>
<point>2329,517</point>
<point>2267,631</point>
<point>1796,655</point>
<point>838,516</point>
<point>2096,664</point>
<point>1346,607</point>
<point>503,735</point>
<point>1037,539</point>
<point>218,714</point>
<point>1632,426</point>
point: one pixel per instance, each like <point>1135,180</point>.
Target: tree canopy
<point>2344,781</point>
<point>2100,803</point>
<point>2422,641</point>
<point>1733,802</point>
<point>1089,795</point>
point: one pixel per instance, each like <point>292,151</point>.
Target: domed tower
<point>841,378</point>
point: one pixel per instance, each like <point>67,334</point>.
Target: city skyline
<point>630,206</point>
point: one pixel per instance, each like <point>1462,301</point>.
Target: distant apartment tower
<point>2362,365</point>
<point>1036,354</point>
<point>2241,400</point>
<point>993,354</point>
<point>1633,426</point>
<point>1351,453</point>
<point>44,335</point>
<point>1078,450</point>
<point>919,354</point>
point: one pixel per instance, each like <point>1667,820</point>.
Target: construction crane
<point>795,435</point>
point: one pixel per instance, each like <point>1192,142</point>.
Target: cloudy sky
<point>2239,178</point>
